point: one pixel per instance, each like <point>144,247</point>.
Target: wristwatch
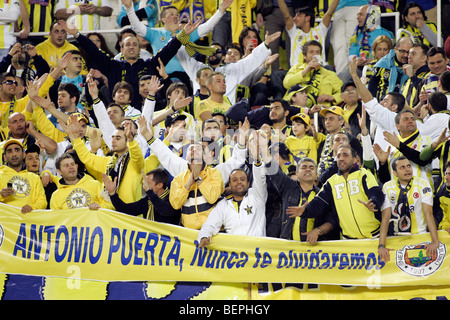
<point>199,179</point>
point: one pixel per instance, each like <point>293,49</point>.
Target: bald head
<point>17,125</point>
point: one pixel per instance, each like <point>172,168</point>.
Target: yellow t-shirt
<point>304,147</point>
<point>211,106</point>
<point>348,113</point>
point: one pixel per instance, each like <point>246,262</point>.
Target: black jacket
<point>290,192</point>
<point>163,210</point>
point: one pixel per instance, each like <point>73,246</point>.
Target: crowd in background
<point>302,120</point>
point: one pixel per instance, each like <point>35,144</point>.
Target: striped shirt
<point>84,22</point>
<point>9,13</point>
<point>41,15</point>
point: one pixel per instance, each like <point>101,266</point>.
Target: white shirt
<point>84,22</point>
<point>251,218</point>
<point>234,73</point>
<point>9,13</point>
<point>299,38</point>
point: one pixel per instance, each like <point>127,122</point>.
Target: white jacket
<point>234,72</point>
<point>251,218</point>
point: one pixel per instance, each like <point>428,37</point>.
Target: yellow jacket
<point>86,191</point>
<point>197,202</point>
<point>130,186</point>
<point>46,127</point>
<point>52,54</point>
<point>27,186</point>
<point>326,82</point>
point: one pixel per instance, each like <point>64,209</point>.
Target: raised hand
<point>191,26</point>
<point>143,129</point>
<point>362,121</point>
<point>381,154</point>
<point>110,185</point>
<point>369,205</point>
<point>69,27</point>
<point>293,212</point>
<point>268,39</point>
<point>391,138</point>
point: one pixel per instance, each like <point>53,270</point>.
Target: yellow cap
<point>306,119</point>
<point>334,109</point>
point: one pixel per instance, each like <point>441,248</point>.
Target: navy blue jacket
<point>117,71</point>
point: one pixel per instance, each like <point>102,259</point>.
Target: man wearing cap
<point>303,144</point>
<point>18,187</point>
<point>352,106</point>
<point>325,84</point>
<point>334,121</point>
<point>25,133</point>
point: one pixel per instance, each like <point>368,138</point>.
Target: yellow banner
<point>107,246</point>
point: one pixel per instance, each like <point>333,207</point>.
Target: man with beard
<point>18,187</point>
<point>196,190</point>
<point>353,192</point>
<point>243,211</point>
<point>125,164</point>
<point>279,111</point>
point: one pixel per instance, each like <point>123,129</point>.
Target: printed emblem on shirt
<point>249,209</point>
<point>21,186</point>
<point>78,198</point>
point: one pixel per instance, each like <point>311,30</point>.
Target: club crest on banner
<point>413,259</point>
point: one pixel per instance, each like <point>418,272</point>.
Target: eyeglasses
<point>10,82</point>
<point>403,51</point>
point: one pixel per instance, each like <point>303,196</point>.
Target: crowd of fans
<point>194,121</point>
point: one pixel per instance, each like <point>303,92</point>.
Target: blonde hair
<point>379,39</point>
